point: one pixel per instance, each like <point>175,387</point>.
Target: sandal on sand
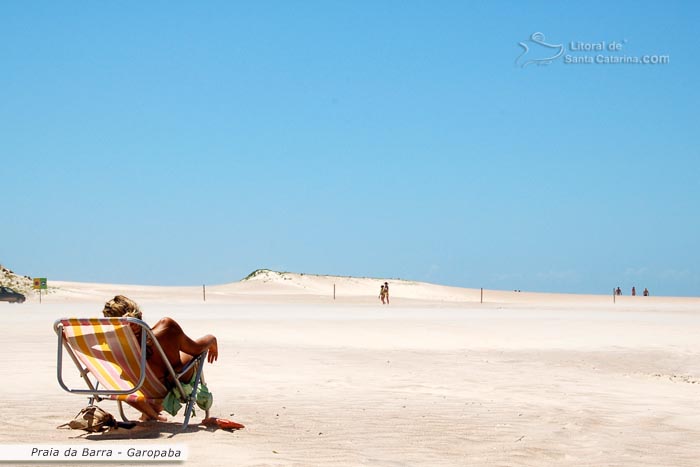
<point>222,423</point>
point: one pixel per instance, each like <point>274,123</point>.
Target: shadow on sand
<point>149,430</point>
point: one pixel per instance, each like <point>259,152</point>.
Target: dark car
<point>9,295</point>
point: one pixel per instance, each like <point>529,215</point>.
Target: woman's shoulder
<point>165,326</point>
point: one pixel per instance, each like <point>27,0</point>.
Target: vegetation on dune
<point>21,284</point>
<point>258,272</point>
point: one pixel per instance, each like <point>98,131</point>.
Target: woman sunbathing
<point>177,346</point>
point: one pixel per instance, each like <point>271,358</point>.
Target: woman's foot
<point>148,411</point>
<point>159,418</point>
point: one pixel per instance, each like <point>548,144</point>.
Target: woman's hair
<point>121,306</point>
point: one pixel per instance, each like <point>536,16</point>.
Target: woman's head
<point>121,306</point>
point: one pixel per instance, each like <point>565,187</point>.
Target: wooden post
<point>204,292</point>
<point>614,295</point>
<point>333,291</point>
<point>482,295</point>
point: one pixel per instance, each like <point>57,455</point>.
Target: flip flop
<point>222,423</point>
<point>228,424</point>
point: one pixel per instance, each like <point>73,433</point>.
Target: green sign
<point>40,283</point>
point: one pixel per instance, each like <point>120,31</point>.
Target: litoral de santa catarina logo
<point>536,50</point>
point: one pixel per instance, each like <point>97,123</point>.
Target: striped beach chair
<point>110,361</point>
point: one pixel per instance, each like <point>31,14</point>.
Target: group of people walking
<point>618,291</point>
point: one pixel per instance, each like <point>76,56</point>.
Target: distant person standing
<point>384,293</point>
<point>618,291</point>
<point>634,291</point>
<point>646,292</point>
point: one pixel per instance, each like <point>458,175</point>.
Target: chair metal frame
<point>96,394</point>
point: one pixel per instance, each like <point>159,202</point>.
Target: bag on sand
<point>91,419</point>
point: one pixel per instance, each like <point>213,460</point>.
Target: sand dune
<point>271,286</point>
<point>266,284</point>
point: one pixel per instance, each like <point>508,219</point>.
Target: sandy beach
<point>546,151</point>
<point>435,379</point>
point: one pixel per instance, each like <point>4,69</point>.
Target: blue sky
<point>181,143</point>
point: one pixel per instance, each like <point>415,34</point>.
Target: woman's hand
<point>213,351</point>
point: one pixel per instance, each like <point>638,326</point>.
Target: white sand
<point>437,378</point>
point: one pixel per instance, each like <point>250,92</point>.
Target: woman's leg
<point>148,411</point>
